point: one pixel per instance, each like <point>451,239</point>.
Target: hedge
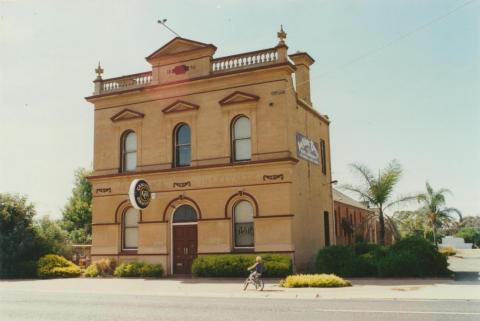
<point>413,257</point>
<point>314,281</point>
<point>409,257</point>
<point>138,269</point>
<point>50,266</point>
<point>235,265</point>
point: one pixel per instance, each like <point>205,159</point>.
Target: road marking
<point>395,311</point>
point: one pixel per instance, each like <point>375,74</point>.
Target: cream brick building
<point>232,147</point>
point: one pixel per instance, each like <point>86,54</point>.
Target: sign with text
<point>139,194</point>
<point>307,149</point>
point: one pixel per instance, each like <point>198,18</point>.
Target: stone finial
<point>282,35</point>
<point>99,71</point>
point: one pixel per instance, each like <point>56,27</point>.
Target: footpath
<point>466,286</point>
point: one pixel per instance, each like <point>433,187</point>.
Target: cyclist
<point>257,268</point>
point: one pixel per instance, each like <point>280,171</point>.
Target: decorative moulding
<point>180,106</point>
<point>127,114</point>
<point>273,177</point>
<point>238,97</point>
<point>179,45</point>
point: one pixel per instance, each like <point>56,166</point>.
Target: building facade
<point>236,157</point>
<point>355,221</point>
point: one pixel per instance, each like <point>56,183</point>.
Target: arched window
<point>184,213</point>
<point>243,224</point>
<point>241,139</point>
<point>130,228</point>
<point>129,152</point>
<point>182,153</point>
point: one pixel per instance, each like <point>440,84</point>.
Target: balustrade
<point>223,64</point>
<point>126,82</point>
<point>245,60</point>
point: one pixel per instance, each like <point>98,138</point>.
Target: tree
<point>77,214</point>
<point>20,245</point>
<point>54,239</point>
<point>434,208</point>
<point>470,235</point>
<point>411,223</point>
<point>377,190</point>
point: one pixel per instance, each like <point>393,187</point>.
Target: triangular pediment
<point>179,45</point>
<point>126,114</point>
<point>180,106</point>
<point>238,97</point>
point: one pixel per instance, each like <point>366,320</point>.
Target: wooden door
<point>184,248</point>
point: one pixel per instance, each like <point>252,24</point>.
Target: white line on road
<point>399,312</point>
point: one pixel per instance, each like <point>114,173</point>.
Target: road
<point>23,305</point>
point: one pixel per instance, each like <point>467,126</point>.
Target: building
<point>355,221</point>
<point>235,155</point>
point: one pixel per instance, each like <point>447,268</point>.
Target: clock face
<point>140,194</point>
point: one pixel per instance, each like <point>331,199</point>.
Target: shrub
<point>413,257</point>
<point>138,269</point>
<point>51,265</point>
<point>335,259</point>
<point>235,265</point>
<point>314,280</point>
<point>448,251</point>
<point>470,235</point>
<point>103,267</point>
<point>91,271</point>
<point>343,261</point>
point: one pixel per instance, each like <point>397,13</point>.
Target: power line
<point>399,38</point>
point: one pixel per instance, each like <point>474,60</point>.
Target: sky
<point>399,80</point>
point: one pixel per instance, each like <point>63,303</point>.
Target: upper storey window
<point>241,139</point>
<point>129,151</point>
<point>182,152</point>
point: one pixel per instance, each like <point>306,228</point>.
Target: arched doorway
<point>184,239</point>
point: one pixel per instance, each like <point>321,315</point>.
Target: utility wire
<point>398,38</point>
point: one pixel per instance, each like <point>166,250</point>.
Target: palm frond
<point>402,199</point>
<point>393,227</point>
<point>358,190</point>
<point>364,171</point>
<point>453,210</point>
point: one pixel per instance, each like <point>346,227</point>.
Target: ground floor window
<point>243,224</point>
<point>130,229</point>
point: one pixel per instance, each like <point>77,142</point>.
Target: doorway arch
<point>184,238</point>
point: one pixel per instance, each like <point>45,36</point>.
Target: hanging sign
<point>307,149</point>
<point>139,194</point>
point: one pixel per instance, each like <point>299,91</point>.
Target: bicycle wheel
<point>245,285</point>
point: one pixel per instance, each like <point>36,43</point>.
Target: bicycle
<point>255,279</point>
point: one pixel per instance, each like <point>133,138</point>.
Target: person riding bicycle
<point>257,268</point>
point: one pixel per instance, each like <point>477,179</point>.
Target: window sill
<point>128,252</point>
<point>243,250</point>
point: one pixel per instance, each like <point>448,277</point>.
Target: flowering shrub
<point>50,266</point>
<point>314,281</point>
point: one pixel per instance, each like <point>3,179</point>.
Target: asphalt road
<point>52,306</point>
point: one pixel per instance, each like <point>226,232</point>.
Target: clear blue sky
<point>399,80</point>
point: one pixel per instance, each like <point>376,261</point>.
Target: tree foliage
<point>20,245</point>
<point>434,208</point>
<point>54,239</point>
<point>77,214</point>
<point>377,190</point>
<point>470,235</point>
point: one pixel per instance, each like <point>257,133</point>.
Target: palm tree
<point>434,208</point>
<point>377,190</point>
